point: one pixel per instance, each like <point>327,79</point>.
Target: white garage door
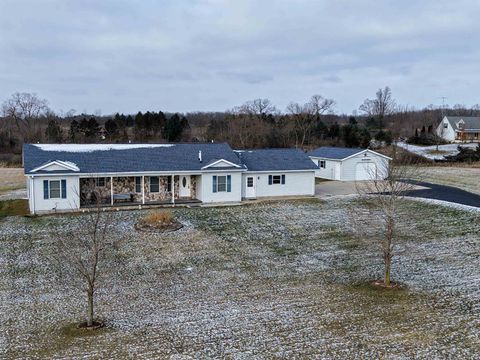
<point>365,171</point>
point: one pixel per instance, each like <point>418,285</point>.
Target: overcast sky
<point>187,55</point>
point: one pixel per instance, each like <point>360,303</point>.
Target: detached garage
<point>349,164</point>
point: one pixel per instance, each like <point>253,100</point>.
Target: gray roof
<point>471,122</point>
<point>338,153</point>
<point>275,160</point>
<point>116,158</point>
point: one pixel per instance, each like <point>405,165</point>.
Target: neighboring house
<point>459,128</point>
<point>63,177</point>
<point>349,164</point>
<point>277,172</point>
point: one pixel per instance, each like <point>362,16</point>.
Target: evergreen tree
<point>74,131</point>
<point>53,132</point>
<point>111,128</point>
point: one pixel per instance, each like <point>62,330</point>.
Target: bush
<point>426,139</point>
<point>158,218</point>
<point>465,154</point>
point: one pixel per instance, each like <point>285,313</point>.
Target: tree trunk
<point>387,250</point>
<point>388,263</point>
<point>90,307</point>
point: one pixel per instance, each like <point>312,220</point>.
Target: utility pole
<point>442,127</point>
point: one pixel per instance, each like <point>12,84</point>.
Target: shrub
<point>158,218</point>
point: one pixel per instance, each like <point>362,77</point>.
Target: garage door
<point>365,171</point>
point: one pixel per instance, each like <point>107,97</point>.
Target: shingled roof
<point>338,153</point>
<point>276,160</point>
<point>124,158</point>
<point>471,122</point>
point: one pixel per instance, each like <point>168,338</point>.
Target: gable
<point>57,165</point>
<point>220,163</point>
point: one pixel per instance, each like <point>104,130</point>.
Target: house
<point>349,164</point>
<point>459,128</point>
<point>65,177</point>
<point>276,172</point>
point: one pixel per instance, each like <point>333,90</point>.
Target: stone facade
<point>89,189</point>
<point>163,194</point>
<point>126,185</point>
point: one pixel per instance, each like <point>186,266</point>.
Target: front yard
<point>276,280</point>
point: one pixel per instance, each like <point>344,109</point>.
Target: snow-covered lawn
<point>430,152</point>
<point>276,280</point>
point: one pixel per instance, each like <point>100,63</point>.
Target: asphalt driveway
<point>424,190</point>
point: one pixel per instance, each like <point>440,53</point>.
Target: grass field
<point>278,280</point>
<point>11,179</point>
<point>13,208</point>
<point>461,177</point>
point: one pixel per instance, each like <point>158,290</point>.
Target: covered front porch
<point>139,190</point>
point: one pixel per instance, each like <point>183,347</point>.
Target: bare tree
<point>306,115</point>
<point>25,109</point>
<point>389,185</point>
<point>383,104</point>
<point>86,253</point>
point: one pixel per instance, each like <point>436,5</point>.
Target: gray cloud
<point>214,54</point>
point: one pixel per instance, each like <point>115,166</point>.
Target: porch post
<point>173,189</point>
<point>143,189</point>
<point>111,190</point>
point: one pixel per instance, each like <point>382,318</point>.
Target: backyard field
<point>12,183</point>
<point>278,280</point>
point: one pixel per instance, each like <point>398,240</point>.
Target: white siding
<point>40,205</point>
<point>296,184</point>
<point>447,133</point>
<point>349,165</point>
<point>208,196</point>
<point>331,171</point>
<point>198,189</point>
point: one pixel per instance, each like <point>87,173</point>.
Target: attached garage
<point>349,164</point>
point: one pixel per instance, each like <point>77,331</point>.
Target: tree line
<point>257,123</point>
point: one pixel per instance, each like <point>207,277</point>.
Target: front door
<point>185,186</point>
<point>250,187</point>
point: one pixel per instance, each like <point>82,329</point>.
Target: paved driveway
<point>423,190</point>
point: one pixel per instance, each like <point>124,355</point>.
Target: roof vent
<point>200,155</point>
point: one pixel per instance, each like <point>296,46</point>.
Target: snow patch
<point>426,151</point>
<point>80,148</point>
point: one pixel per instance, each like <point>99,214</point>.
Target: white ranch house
<point>70,177</point>
<point>349,164</point>
<point>459,128</point>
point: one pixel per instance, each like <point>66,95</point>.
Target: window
<point>222,183</point>
<point>169,184</point>
<point>138,184</point>
<point>276,179</point>
<point>321,164</point>
<point>154,184</point>
<point>445,125</point>
<point>249,181</point>
<point>100,182</point>
<point>55,189</point>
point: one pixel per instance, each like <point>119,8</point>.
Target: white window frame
<point>224,177</point>
<point>322,164</point>
<point>139,184</point>
<point>277,182</point>
<point>50,196</point>
<point>250,178</point>
<point>150,187</point>
<point>97,182</point>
